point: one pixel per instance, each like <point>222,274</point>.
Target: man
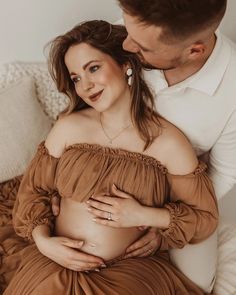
<point>195,90</point>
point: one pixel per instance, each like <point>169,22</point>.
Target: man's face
<point>144,40</point>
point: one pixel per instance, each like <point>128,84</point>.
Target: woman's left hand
<point>118,210</point>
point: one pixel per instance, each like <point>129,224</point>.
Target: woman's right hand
<point>65,251</point>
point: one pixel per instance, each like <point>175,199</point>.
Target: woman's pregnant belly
<point>75,221</point>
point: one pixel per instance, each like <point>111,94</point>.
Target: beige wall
<point>228,25</point>
<point>27,25</point>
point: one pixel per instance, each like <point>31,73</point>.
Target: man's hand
<point>55,203</point>
<point>204,157</point>
<point>145,246</point>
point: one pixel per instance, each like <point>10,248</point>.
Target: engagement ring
<point>109,216</point>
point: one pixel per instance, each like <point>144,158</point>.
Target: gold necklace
<point>110,139</point>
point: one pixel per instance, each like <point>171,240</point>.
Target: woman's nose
<point>129,45</point>
<point>87,84</point>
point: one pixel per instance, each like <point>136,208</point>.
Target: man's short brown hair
<point>179,19</point>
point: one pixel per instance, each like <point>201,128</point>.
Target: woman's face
<point>98,79</point>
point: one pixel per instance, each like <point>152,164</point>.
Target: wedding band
<point>109,216</point>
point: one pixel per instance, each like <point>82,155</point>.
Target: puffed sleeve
<point>33,206</point>
<point>193,209</point>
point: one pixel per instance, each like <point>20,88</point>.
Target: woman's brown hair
<point>108,39</point>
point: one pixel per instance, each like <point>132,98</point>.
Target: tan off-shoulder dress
<point>81,171</point>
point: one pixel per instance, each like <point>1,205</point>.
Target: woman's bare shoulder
<point>174,150</point>
<point>67,130</point>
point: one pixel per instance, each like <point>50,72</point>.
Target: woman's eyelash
<point>94,68</point>
<point>75,79</point>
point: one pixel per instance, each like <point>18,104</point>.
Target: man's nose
<point>129,45</point>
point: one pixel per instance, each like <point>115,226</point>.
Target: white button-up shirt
<point>204,108</point>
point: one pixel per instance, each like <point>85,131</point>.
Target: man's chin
<point>149,66</point>
<point>152,67</point>
<point>145,64</point>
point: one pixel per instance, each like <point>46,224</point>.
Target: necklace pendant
<point>110,139</point>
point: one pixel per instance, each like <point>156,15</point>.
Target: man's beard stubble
<point>175,63</point>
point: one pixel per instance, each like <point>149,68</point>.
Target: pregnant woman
<point>118,167</point>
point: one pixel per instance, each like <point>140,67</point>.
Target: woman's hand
<point>65,251</point>
<point>118,210</point>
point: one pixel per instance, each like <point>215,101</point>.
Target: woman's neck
<point>116,119</point>
<point>119,115</point>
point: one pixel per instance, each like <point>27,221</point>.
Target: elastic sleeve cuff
<point>31,227</point>
<point>173,218</point>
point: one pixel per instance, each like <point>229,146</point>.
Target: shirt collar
<point>208,78</point>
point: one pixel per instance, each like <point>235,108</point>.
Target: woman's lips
<point>95,96</point>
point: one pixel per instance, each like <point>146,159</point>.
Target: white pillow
<point>51,100</point>
<point>23,125</point>
<point>226,268</point>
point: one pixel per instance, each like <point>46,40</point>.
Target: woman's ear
<point>126,67</point>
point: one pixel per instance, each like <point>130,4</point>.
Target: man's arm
<point>222,159</point>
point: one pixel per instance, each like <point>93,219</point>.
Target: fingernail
<point>89,209</point>
<point>97,269</point>
<point>80,243</point>
<point>88,202</point>
<point>114,186</point>
<point>103,265</point>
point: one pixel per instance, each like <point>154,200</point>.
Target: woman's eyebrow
<point>85,66</point>
<point>88,63</point>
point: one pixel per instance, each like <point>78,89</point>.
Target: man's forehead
<point>145,36</point>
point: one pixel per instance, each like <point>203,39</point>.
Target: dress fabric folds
<point>83,170</point>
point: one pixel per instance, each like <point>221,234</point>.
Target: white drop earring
<point>129,73</point>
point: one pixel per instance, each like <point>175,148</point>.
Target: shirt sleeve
<point>222,159</point>
<point>33,202</point>
<point>193,209</point>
